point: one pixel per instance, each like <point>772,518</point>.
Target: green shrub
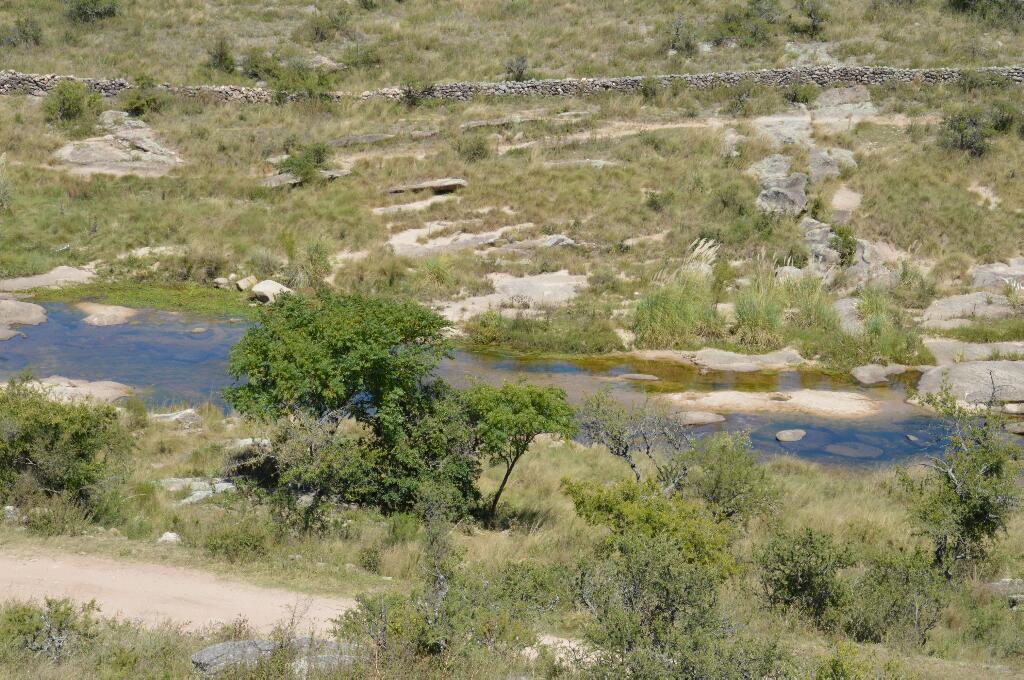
<point>473,148</point>
<point>563,331</point>
<point>85,11</point>
<point>24,32</point>
<point>220,55</point>
<point>683,37</point>
<point>898,599</point>
<point>55,630</point>
<point>844,241</point>
<point>802,93</point>
<point>967,129</point>
<point>63,449</point>
<point>723,472</point>
<point>814,16</point>
<point>750,25</point>
<point>258,64</point>
<point>997,10</point>
<point>6,186</point>
<point>71,102</point>
<point>247,539</point>
<point>57,516</point>
<point>322,27</point>
<point>370,557</point>
<point>305,162</point>
<point>801,571</point>
<point>144,98</point>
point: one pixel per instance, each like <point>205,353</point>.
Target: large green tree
<point>507,419</point>
<point>370,357</point>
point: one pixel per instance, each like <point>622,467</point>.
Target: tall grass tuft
<point>759,313</point>
<point>678,315</point>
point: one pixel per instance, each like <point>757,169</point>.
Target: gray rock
<point>357,140</point>
<point>960,310</point>
<point>723,360</point>
<point>774,166</point>
<point>789,272</point>
<point>787,436</point>
<point>828,163</point>
<point>849,317</point>
<point>731,141</point>
<point>1016,427</point>
<point>699,418</point>
<point>246,283</point>
<point>169,537</point>
<point>784,195</point>
<point>557,240</point>
<point>997,276</point>
<point>287,179</point>
<point>220,657</point>
<point>268,291</point>
<point>128,148</point>
<point>10,512</point>
<point>17,313</point>
<point>444,185</point>
<point>875,374</point>
<point>876,264</point>
<point>188,419</point>
<point>1014,409</point>
<point>972,382</point>
<point>955,351</point>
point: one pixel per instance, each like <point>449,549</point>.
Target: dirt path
<point>155,593</point>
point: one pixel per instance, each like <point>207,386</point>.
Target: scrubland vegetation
<point>469,534</point>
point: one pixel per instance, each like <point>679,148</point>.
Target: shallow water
<point>159,354</point>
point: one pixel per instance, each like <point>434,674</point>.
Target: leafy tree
<point>968,495</point>
<point>507,419</point>
<point>61,449</point>
<point>368,357</point>
<point>801,570</point>
<point>629,432</point>
<point>899,599</point>
<point>723,472</point>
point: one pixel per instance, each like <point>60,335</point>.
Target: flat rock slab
<point>699,418</point>
<point>287,179</point>
<point>785,128</point>
<point>518,294</point>
<point>829,163</point>
<point>129,148</point>
<point>824,403</point>
<point>64,389</point>
<point>445,185</point>
<point>961,310</point>
<point>106,315</point>
<point>774,166</point>
<point>638,377</point>
<point>18,313</point>
<point>597,163</point>
<point>722,360</point>
<point>59,276</point>
<point>998,275</point>
<point>417,242</point>
<point>310,655</point>
<point>845,202</point>
<point>948,352</point>
<point>876,374</point>
<point>973,382</point>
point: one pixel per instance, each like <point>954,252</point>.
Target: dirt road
<point>154,593</point>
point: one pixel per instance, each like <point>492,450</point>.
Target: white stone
<point>787,436</point>
<point>268,291</point>
<point>169,537</point>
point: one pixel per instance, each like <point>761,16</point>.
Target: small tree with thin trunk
<point>507,419</point>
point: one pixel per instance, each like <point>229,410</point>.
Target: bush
<point>967,130</point>
<point>802,93</point>
<point>55,630</point>
<point>144,98</point>
<point>898,599</point>
<point>247,539</point>
<point>323,27</point>
<point>515,69</point>
<point>85,11</point>
<point>71,102</point>
<point>1001,10</point>
<point>6,187</point>
<point>815,15</point>
<point>750,25</point>
<point>24,32</point>
<point>723,472</point>
<point>801,571</point>
<point>221,55</point>
<point>473,148</point>
<point>61,449</point>
<point>564,331</point>
<point>305,162</point>
<point>844,241</point>
<point>682,37</point>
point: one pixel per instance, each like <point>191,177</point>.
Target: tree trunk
<point>501,487</point>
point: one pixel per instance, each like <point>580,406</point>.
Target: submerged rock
<point>876,374</point>
<point>699,418</point>
<point>106,315</point>
<point>722,360</point>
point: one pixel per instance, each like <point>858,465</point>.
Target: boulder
<point>997,276</point>
<point>849,317</point>
<point>828,163</point>
<point>105,315</point>
<point>1015,409</point>
<point>784,194</point>
<point>10,512</point>
<point>268,291</point>
<point>723,360</point>
<point>246,283</point>
<point>972,382</point>
<point>70,390</point>
<point>169,537</point>
<point>876,374</point>
<point>961,310</point>
<point>557,240</point>
<point>788,436</point>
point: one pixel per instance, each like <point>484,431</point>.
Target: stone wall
<point>12,82</point>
